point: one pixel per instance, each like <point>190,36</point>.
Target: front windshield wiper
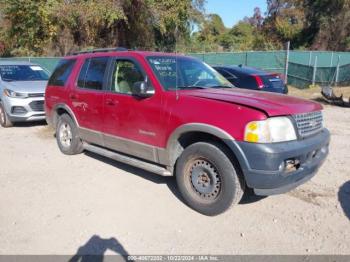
<point>222,87</point>
<point>192,87</point>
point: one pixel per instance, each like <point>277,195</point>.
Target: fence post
<point>310,58</point>
<point>315,72</point>
<point>287,64</point>
<point>337,72</point>
<point>332,59</point>
<point>246,58</point>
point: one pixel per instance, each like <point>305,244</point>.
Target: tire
<point>4,118</point>
<point>208,179</point>
<point>67,136</point>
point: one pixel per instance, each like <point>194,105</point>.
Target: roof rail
<point>101,50</point>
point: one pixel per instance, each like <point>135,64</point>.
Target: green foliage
<point>29,26</point>
<point>57,27</point>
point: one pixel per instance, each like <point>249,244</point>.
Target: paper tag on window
<point>36,68</point>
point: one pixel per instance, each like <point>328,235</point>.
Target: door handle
<point>111,102</point>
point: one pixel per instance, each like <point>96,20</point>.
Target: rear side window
<point>224,73</point>
<point>92,73</point>
<point>248,82</point>
<point>62,72</point>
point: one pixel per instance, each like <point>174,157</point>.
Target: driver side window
<point>125,75</point>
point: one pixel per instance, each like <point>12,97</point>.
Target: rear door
<point>132,125</point>
<point>87,98</point>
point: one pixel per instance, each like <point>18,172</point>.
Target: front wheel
<point>67,136</point>
<point>208,179</point>
<point>4,118</point>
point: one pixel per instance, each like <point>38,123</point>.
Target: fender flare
<point>66,108</point>
<point>173,147</point>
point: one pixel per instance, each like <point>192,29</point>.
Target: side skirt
<point>128,160</point>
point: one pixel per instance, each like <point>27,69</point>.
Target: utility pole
<point>287,63</point>
<point>315,72</point>
<point>337,72</point>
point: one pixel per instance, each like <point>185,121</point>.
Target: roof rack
<point>101,50</point>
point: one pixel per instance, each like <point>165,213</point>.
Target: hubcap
<point>65,135</point>
<point>205,179</point>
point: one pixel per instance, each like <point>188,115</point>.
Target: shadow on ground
<point>95,248</point>
<point>30,124</point>
<point>248,198</point>
<point>169,181</point>
<point>344,198</point>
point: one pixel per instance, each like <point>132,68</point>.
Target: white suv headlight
<point>271,130</point>
<point>13,94</point>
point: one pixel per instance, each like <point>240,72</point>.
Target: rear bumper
<point>262,164</point>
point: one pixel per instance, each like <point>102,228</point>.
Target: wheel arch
<point>62,109</point>
<point>188,134</point>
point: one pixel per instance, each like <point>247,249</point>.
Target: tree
<point>28,25</point>
<point>327,24</point>
<point>285,21</point>
<point>57,27</point>
<point>256,20</point>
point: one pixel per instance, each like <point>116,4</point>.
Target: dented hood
<point>271,103</point>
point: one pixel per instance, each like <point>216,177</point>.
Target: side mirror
<point>141,89</point>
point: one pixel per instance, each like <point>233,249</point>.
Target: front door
<point>132,125</point>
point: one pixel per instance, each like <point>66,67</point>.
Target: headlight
<point>271,130</point>
<point>13,94</point>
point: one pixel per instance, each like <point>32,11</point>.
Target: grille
<point>36,95</point>
<point>37,106</point>
<point>309,123</point>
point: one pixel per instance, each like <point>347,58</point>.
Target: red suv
<point>175,115</point>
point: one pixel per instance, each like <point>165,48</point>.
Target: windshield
<point>23,73</point>
<point>186,73</point>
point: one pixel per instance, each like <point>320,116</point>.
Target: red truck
<point>175,115</point>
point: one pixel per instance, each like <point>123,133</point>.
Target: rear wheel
<point>207,179</point>
<point>4,119</point>
<point>67,136</point>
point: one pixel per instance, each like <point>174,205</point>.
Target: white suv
<point>22,91</point>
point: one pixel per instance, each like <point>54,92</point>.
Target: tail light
<point>259,81</point>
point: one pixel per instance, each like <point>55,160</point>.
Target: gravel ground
<point>56,204</point>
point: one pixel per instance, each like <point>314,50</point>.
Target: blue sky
<point>231,11</point>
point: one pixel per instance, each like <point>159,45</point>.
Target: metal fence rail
<point>304,67</point>
<point>49,63</point>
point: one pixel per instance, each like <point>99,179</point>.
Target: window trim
<point>75,60</point>
<point>105,80</point>
<point>112,64</point>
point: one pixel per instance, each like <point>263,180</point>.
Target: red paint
<point>138,119</point>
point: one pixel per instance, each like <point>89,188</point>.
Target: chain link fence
<point>48,63</point>
<point>305,68</point>
<point>273,61</point>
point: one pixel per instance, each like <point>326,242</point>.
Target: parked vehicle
<point>22,89</point>
<point>252,78</point>
<point>174,115</point>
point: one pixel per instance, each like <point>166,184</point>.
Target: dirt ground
<point>315,92</point>
<point>56,204</point>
